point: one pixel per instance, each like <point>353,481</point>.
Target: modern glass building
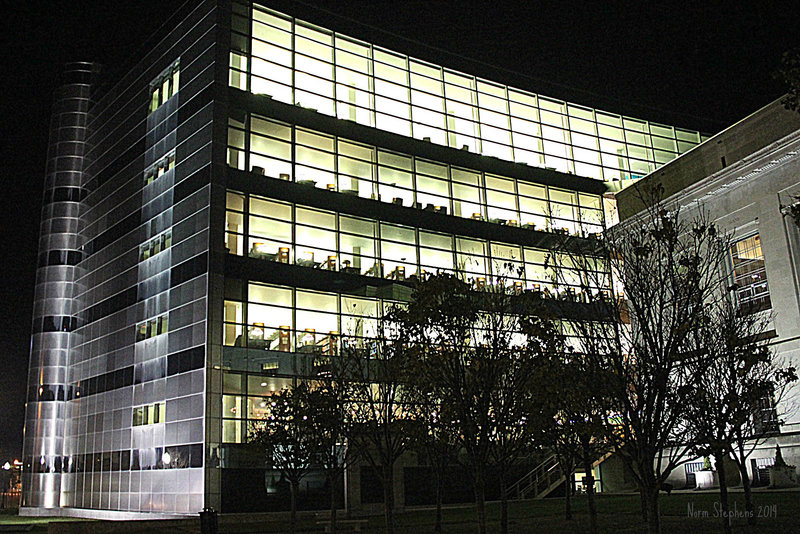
<point>254,188</point>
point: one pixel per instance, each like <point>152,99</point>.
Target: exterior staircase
<point>543,479</point>
<point>538,483</point>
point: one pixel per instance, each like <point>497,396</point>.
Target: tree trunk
<point>480,498</point>
<point>293,489</point>
<point>437,527</point>
<point>741,462</point>
<point>649,488</point>
<point>653,512</point>
<point>645,505</point>
<point>388,497</point>
<point>569,490</point>
<point>587,466</point>
<point>503,503</point>
<point>333,480</point>
<point>723,492</point>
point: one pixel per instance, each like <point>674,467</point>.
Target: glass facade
<point>346,258</point>
<point>278,334</point>
<point>288,233</point>
<point>302,64</point>
<point>336,164</point>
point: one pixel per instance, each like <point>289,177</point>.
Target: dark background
<point>702,65</point>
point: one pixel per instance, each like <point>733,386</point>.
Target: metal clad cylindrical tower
<point>55,313</point>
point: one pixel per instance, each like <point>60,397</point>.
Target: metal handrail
<point>543,477</point>
<point>537,480</point>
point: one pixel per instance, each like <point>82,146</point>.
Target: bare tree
<point>789,75</point>
<point>576,383</point>
<point>377,379</point>
<point>669,267</point>
<point>519,403</point>
<point>751,433</point>
<point>566,446</point>
<point>739,373</point>
<point>578,432</point>
<point>581,376</point>
<point>479,355</point>
<point>288,439</point>
<point>332,427</point>
<point>437,438</point>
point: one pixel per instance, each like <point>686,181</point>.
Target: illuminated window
<point>155,245</point>
<point>152,328</point>
<point>159,168</point>
<point>296,63</point>
<point>164,87</point>
<point>149,415</point>
<point>749,274</point>
<point>765,419</point>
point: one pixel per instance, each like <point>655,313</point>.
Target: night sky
<point>700,65</point>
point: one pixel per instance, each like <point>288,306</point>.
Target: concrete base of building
<point>85,513</point>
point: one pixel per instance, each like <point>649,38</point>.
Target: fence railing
<point>540,479</point>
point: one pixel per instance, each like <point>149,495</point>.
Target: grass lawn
<point>622,515</point>
<point>8,518</point>
<point>617,514</point>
